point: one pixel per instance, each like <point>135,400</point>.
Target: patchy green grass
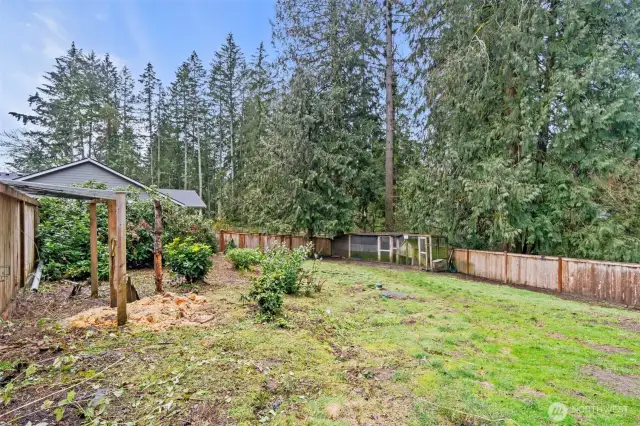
<point>443,351</point>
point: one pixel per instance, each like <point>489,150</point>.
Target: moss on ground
<point>449,352</point>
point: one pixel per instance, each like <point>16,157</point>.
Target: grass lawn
<point>439,350</point>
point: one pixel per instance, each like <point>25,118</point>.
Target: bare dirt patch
<point>609,349</point>
<point>159,312</point>
<point>224,274</point>
<point>629,324</point>
<point>527,392</point>
<point>626,385</point>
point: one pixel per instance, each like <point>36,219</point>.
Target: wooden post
<point>379,248</point>
<point>93,246</point>
<point>111,220</point>
<point>157,245</point>
<point>430,253</point>
<point>120,257</point>
<point>23,246</point>
<point>559,274</point>
<point>290,242</point>
<point>390,249</point>
<point>222,241</point>
<point>506,265</point>
<point>468,263</point>
<point>349,246</point>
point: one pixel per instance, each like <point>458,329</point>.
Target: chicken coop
<point>428,252</point>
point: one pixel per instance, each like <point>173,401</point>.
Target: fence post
<point>349,246</point>
<point>468,263</point>
<point>221,241</point>
<point>378,248</point>
<point>23,245</point>
<point>559,274</point>
<point>506,265</point>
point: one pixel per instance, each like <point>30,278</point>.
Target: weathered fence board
<point>18,226</point>
<point>607,281</point>
<point>322,246</point>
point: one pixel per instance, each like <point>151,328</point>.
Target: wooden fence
<point>608,281</point>
<point>322,246</point>
<point>19,216</point>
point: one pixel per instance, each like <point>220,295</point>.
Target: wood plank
<point>120,258</point>
<point>560,274</point>
<point>57,191</point>
<point>23,246</point>
<point>111,220</point>
<point>93,246</point>
<point>12,193</point>
<point>157,244</point>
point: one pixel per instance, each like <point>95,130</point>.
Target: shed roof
<point>186,197</point>
<point>43,189</point>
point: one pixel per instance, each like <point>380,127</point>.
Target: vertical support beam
<point>468,263</point>
<point>120,257</point>
<point>290,242</point>
<point>111,221</point>
<point>157,244</point>
<point>506,265</point>
<point>430,253</point>
<point>379,245</point>
<point>390,249</point>
<point>349,246</point>
<point>559,274</point>
<point>222,241</point>
<point>93,246</point>
<point>23,246</point>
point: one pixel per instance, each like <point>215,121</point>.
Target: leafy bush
<point>286,265</point>
<point>189,259</point>
<point>244,258</point>
<point>281,273</point>
<point>63,234</point>
<point>267,293</point>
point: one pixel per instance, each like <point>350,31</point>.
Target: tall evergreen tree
<point>148,98</point>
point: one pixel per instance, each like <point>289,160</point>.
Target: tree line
<point>503,125</point>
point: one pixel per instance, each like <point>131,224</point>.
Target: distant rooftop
<point>10,175</point>
<point>187,197</point>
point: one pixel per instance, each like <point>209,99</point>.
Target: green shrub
<point>267,293</point>
<point>189,259</point>
<point>63,234</point>
<point>244,258</point>
<point>285,264</point>
<point>281,273</point>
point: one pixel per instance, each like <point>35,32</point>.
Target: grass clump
<point>244,258</point>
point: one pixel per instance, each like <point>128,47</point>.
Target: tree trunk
<point>388,166</point>
<point>150,118</point>
<point>185,162</point>
<point>157,245</point>
<point>158,162</point>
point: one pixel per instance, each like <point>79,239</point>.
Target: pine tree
<point>128,155</point>
<point>147,98</point>
<point>226,89</point>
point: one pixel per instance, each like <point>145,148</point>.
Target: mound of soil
<point>158,312</point>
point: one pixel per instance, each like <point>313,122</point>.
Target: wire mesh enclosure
<point>393,247</point>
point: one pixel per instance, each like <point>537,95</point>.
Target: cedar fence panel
<point>608,281</point>
<point>532,271</point>
<point>18,227</point>
<point>321,246</point>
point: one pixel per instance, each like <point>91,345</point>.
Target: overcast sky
<point>34,32</point>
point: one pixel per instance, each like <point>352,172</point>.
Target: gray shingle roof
<point>188,197</point>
